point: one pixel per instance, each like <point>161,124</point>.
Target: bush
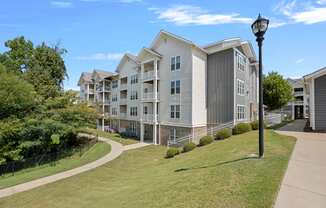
<point>188,147</point>
<point>223,134</point>
<point>255,125</point>
<point>172,152</point>
<point>205,140</point>
<point>241,128</point>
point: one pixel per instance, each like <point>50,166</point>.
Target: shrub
<point>241,128</point>
<point>172,152</point>
<point>255,125</point>
<point>188,147</point>
<point>205,140</point>
<point>223,134</point>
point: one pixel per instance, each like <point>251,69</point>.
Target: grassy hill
<point>218,175</point>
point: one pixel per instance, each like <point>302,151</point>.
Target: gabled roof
<point>145,50</point>
<point>316,74</point>
<point>101,74</point>
<point>125,57</point>
<point>232,43</point>
<point>163,32</point>
<point>85,77</point>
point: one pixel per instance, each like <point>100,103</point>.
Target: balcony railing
<point>150,96</point>
<point>149,118</point>
<point>123,115</point>
<point>123,101</point>
<point>299,93</point>
<point>298,102</point>
<point>123,86</point>
<point>149,75</point>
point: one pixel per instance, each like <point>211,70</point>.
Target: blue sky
<point>97,32</point>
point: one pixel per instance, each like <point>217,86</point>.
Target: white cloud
<point>277,23</point>
<point>299,61</point>
<point>61,4</point>
<point>102,56</point>
<point>311,16</point>
<point>193,15</point>
<point>306,13</point>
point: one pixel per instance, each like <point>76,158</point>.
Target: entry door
<point>298,112</point>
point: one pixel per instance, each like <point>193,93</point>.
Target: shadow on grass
<point>218,164</point>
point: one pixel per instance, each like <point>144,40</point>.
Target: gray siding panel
<point>220,87</point>
<point>320,103</point>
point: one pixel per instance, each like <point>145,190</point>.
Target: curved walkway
<point>304,183</point>
<point>116,150</point>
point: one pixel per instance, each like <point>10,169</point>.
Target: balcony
<point>149,75</point>
<point>123,101</point>
<point>124,86</point>
<point>298,93</point>
<point>298,102</point>
<point>149,118</point>
<point>123,115</point>
<point>149,96</point>
<point>91,91</point>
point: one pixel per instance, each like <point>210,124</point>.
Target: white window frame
<point>175,63</point>
<point>174,111</point>
<point>173,85</point>
<point>133,111</point>
<point>134,79</point>
<point>241,62</point>
<point>173,134</point>
<point>145,110</point>
<point>241,112</point>
<point>240,87</point>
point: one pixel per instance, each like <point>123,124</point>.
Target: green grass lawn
<point>97,151</point>
<point>113,136</point>
<point>217,175</point>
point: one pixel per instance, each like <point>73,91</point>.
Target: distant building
<point>298,108</point>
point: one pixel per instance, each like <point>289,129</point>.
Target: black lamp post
<point>259,27</point>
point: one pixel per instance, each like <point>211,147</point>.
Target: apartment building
<point>175,89</point>
<point>298,108</point>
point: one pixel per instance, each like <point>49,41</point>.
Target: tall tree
<point>17,97</point>
<point>19,54</point>
<point>277,91</point>
<point>42,66</point>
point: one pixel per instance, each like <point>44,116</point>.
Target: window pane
<point>172,111</point>
<point>172,87</point>
<point>172,63</point>
<point>178,64</point>
<point>177,87</point>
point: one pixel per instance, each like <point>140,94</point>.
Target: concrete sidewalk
<point>304,184</point>
<point>116,150</point>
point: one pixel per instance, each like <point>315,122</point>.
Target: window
<point>134,79</point>
<point>114,111</point>
<point>145,110</point>
<point>114,98</point>
<point>175,111</point>
<point>172,87</point>
<point>240,87</point>
<point>133,111</point>
<point>114,83</point>
<point>134,95</point>
<point>175,87</point>
<point>175,63</point>
<point>173,134</point>
<point>133,127</point>
<point>241,112</point>
<point>241,62</point>
<point>172,63</point>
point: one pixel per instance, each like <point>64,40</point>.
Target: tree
<point>17,97</point>
<point>19,54</point>
<point>277,91</point>
<point>42,66</point>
